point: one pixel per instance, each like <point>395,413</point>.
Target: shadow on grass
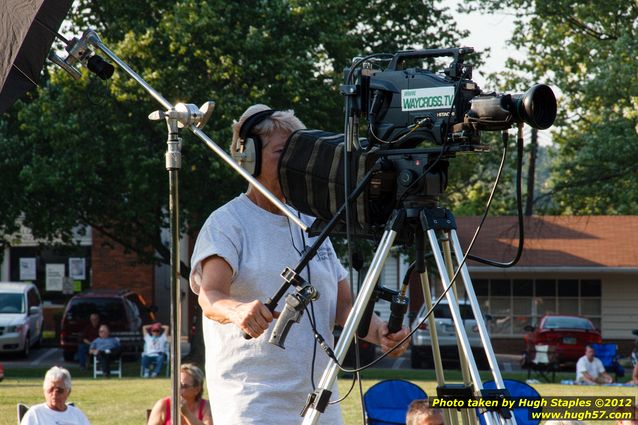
<point>450,375</point>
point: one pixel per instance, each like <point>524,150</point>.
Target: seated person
<point>89,333</point>
<point>57,387</point>
<point>590,370</point>
<point>155,344</point>
<point>420,413</point>
<point>194,409</point>
<point>105,348</point>
<point>634,373</point>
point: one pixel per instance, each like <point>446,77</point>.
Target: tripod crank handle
<point>398,308</point>
<point>270,305</point>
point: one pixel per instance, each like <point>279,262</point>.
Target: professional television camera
<point>417,119</point>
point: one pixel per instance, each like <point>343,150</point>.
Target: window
<point>33,298</point>
<point>11,303</point>
<point>514,304</point>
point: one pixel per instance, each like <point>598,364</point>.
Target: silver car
<point>21,317</point>
<point>421,351</point>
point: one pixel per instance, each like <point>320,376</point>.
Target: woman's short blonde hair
<point>279,120</point>
<point>197,375</point>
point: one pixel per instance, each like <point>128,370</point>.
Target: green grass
<point>124,401</point>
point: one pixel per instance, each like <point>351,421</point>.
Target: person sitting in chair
<point>90,333</point>
<point>155,343</point>
<point>420,413</point>
<point>590,370</point>
<point>634,364</point>
<point>105,348</point>
<point>57,387</point>
<point>194,409</point>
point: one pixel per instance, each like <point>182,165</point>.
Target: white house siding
<point>619,306</point>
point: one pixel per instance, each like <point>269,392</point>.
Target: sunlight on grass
<point>124,401</point>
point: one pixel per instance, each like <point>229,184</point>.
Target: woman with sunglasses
<point>194,408</point>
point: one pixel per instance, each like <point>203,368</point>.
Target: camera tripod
<point>432,221</point>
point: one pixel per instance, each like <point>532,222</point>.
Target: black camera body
<point>417,120</point>
<point>416,103</point>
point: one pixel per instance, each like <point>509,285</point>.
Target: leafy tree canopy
<point>588,51</point>
<point>84,152</point>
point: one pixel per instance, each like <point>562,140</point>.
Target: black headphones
<point>248,150</point>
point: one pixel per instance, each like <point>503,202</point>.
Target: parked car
<point>1,372</point>
<point>122,310</point>
<point>421,351</point>
<point>566,336</point>
<point>21,317</point>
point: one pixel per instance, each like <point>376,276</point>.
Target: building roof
<point>556,241</point>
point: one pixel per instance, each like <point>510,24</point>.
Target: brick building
<point>570,265</point>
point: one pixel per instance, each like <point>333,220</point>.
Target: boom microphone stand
<point>177,117</point>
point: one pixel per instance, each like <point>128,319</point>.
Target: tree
<point>84,153</point>
<point>587,50</point>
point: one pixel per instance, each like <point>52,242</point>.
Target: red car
<point>1,372</point>
<point>567,336</point>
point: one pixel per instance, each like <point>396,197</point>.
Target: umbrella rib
<point>52,31</point>
<point>24,75</point>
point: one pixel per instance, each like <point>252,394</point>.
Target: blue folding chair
<point>517,389</point>
<point>608,355</point>
<point>387,402</point>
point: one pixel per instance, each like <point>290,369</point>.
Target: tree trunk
<point>531,173</point>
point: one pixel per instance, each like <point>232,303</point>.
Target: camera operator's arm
<point>217,304</point>
<point>378,331</point>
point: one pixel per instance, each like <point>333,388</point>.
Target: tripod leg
<point>480,322</point>
<point>468,416</point>
<point>436,351</point>
<point>491,418</point>
<point>449,415</point>
<point>317,400</point>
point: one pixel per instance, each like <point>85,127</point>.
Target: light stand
<point>194,118</point>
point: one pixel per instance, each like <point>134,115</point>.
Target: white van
<point>20,317</point>
<point>421,350</point>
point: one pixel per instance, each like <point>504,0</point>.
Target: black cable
<point>453,279</point>
<point>346,167</point>
<point>310,314</point>
<point>519,208</point>
<point>313,325</point>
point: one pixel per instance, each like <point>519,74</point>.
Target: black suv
<point>122,310</point>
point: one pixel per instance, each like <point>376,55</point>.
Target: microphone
<point>80,52</point>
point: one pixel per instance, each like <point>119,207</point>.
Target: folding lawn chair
<point>387,402</point>
<point>608,355</point>
<point>516,389</point>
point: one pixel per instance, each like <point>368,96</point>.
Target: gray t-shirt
<point>253,381</point>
